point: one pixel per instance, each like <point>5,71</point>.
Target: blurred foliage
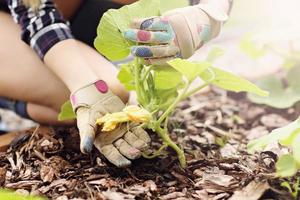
<point>249,48</point>
<point>215,53</point>
<point>284,93</point>
<point>10,195</point>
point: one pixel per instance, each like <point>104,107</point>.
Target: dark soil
<point>213,129</point>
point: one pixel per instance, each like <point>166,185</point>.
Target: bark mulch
<point>213,129</point>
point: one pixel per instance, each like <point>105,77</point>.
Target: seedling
<point>288,136</point>
<point>160,88</point>
<point>293,189</point>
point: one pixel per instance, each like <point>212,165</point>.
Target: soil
<point>213,129</point>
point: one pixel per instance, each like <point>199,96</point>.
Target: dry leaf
<point>47,173</point>
<point>2,175</point>
<point>150,185</point>
<point>174,195</point>
<point>253,191</point>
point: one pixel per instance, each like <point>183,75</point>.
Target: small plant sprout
<point>159,89</point>
<point>288,136</point>
<point>293,189</point>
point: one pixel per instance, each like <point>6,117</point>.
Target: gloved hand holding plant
<point>159,80</point>
<point>117,144</point>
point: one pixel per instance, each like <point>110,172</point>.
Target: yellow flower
<point>137,114</point>
<point>110,121</point>
<point>129,113</point>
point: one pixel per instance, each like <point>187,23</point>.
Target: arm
<point>49,35</point>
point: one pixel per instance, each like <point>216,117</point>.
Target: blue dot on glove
<point>141,52</point>
<point>147,23</point>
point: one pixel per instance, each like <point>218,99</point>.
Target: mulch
<point>213,129</point>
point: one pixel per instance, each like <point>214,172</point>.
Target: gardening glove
<point>126,142</point>
<point>177,33</point>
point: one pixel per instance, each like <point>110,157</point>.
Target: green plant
<point>10,195</point>
<point>294,189</point>
<point>160,88</point>
<point>284,90</point>
<point>284,93</point>
<point>288,136</point>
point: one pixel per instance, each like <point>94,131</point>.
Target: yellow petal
<point>109,126</point>
<point>110,121</point>
<point>137,114</point>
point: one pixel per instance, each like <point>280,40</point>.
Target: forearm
<point>67,62</point>
<point>49,35</point>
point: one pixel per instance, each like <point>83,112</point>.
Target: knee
<point>56,102</point>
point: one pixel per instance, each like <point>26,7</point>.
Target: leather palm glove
<point>119,146</point>
<point>177,33</point>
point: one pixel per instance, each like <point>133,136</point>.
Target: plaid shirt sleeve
<point>41,29</point>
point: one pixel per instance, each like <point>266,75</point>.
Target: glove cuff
<point>217,17</point>
<point>203,22</point>
<point>90,94</point>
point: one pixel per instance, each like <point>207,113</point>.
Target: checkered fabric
<point>41,29</point>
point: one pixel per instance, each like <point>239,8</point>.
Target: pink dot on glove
<point>101,86</point>
<point>143,35</point>
<point>165,20</point>
<point>73,99</point>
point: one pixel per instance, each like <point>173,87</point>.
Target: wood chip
<point>174,195</point>
<point>47,173</point>
<point>253,191</point>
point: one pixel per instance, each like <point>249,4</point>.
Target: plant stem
<point>156,153</point>
<point>193,91</point>
<point>172,106</point>
<point>139,86</point>
<point>147,72</point>
<point>163,133</point>
<point>136,80</point>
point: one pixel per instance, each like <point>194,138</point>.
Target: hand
<point>91,103</point>
<point>178,33</point>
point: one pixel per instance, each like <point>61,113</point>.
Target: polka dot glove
<point>178,33</point>
<point>119,146</point>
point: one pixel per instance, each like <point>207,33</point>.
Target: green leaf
<point>126,77</point>
<point>165,77</point>
<point>110,41</point>
<point>287,185</point>
<point>296,148</point>
<point>293,79</point>
<point>289,63</point>
<point>166,97</point>
<point>231,82</point>
<point>66,112</point>
<point>280,96</point>
<point>248,47</point>
<point>215,53</point>
<point>10,195</point>
<point>189,69</point>
<point>286,166</point>
<point>289,138</point>
<point>166,5</point>
<point>281,135</point>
